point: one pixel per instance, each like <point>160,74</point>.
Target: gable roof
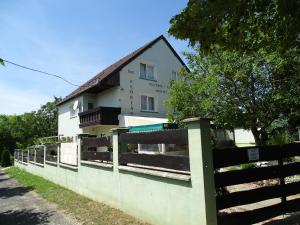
<point>113,69</point>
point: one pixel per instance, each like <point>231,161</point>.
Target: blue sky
<point>75,39</point>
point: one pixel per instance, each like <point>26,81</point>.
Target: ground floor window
<point>148,103</point>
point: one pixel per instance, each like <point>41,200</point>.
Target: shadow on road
<point>14,191</point>
<point>4,179</point>
<point>24,217</point>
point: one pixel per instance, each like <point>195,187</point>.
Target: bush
<point>279,138</point>
<point>5,158</point>
<point>246,166</point>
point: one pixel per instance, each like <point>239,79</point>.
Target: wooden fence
<point>281,170</point>
<point>31,154</point>
<point>180,163</point>
<point>52,153</point>
<point>174,136</point>
<point>39,155</point>
<point>20,156</point>
<point>25,156</point>
<point>89,149</point>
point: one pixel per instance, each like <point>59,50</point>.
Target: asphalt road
<point>21,206</point>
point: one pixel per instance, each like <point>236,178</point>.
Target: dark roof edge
<point>130,60</point>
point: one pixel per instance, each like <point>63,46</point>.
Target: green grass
<point>85,210</point>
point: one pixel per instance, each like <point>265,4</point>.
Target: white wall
<point>243,137</point>
<point>165,62</point>
<point>68,126</point>
<point>128,94</point>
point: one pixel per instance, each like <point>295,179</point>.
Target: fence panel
<point>51,153</point>
<point>164,161</point>
<point>96,142</point>
<point>89,147</point>
<point>233,156</point>
<point>94,156</point>
<point>39,158</point>
<point>25,156</point>
<point>174,136</point>
<point>31,154</point>
<point>236,156</point>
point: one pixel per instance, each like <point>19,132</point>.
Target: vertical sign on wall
<point>131,98</point>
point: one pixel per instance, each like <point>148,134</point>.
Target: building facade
<point>130,92</point>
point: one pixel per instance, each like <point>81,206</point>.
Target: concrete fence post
<point>202,172</point>
<point>116,147</point>
<point>45,152</point>
<point>58,154</point>
<point>34,158</point>
<point>78,151</point>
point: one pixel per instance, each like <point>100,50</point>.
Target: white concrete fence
<point>156,196</point>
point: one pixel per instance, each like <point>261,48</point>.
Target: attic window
<point>146,71</point>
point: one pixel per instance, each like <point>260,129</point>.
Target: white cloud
<point>16,101</point>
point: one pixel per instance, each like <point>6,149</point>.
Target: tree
<point>245,69</point>
<point>225,87</point>
<point>47,118</point>
<point>1,62</point>
<point>5,158</point>
<point>239,25</point>
<point>19,131</point>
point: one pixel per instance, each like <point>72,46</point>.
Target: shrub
<point>279,138</point>
<point>246,166</point>
<point>5,158</point>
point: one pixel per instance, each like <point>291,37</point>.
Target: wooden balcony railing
<point>100,115</point>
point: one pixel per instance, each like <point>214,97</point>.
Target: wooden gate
<point>283,163</point>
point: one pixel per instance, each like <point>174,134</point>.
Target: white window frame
<point>147,76</point>
<point>147,103</point>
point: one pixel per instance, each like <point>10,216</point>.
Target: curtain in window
<point>150,72</point>
<point>144,102</point>
<point>151,103</point>
<point>143,70</point>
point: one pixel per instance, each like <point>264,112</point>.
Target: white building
<point>130,92</point>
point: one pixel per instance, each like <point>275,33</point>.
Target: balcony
<point>100,115</point>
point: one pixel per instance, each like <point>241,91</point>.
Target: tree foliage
<point>236,90</point>
<point>238,24</point>
<point>245,70</point>
<point>19,131</point>
<point>1,62</point>
<point>5,158</point>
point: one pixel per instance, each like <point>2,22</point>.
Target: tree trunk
<point>255,133</point>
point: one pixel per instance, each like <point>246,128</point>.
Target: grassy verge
<point>83,209</point>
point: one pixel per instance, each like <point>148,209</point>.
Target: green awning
<point>153,127</point>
